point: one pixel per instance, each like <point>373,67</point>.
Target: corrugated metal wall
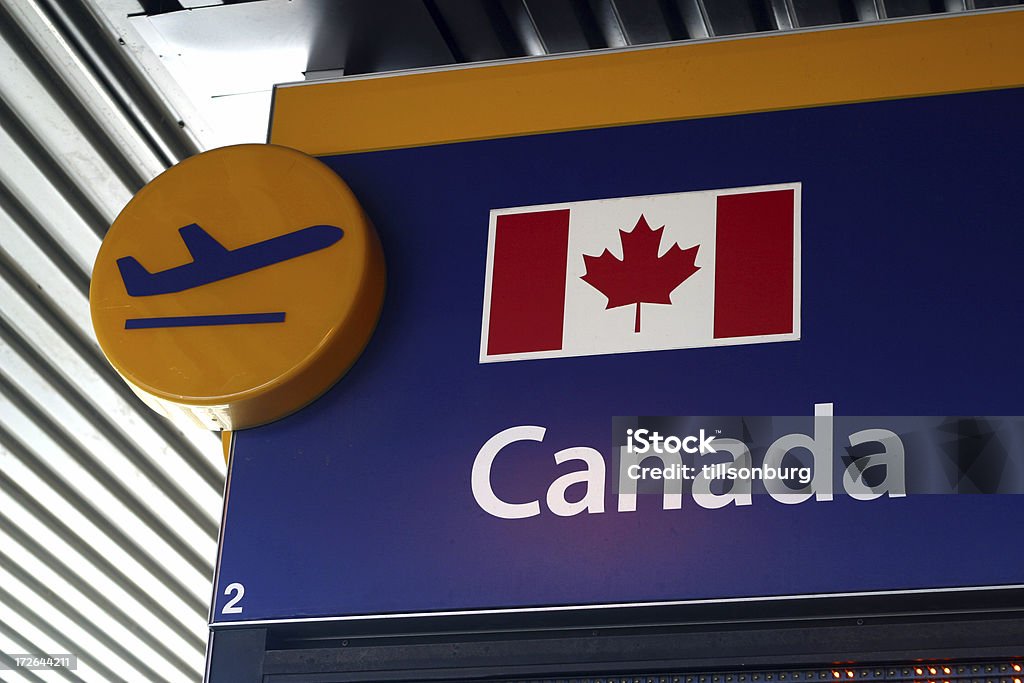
<point>108,513</point>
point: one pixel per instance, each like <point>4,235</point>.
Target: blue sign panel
<point>901,267</point>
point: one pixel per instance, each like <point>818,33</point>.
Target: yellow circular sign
<point>238,285</point>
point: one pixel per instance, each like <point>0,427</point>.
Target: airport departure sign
<point>650,317</point>
<point>208,294</point>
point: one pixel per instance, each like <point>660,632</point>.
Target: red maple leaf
<point>641,276</point>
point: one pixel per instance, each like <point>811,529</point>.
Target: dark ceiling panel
<point>646,21</point>
<point>910,8</point>
<point>523,25</point>
<point>386,35</point>
<point>151,7</point>
<point>818,13</point>
<point>985,4</point>
<point>480,31</point>
<point>566,25</point>
<point>730,17</point>
<point>609,23</point>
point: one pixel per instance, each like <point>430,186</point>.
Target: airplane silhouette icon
<point>211,262</point>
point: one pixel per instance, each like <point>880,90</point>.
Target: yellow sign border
<point>785,70</point>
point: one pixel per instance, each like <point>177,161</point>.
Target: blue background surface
<point>911,305</point>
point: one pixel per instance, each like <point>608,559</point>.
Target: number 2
<point>239,591</point>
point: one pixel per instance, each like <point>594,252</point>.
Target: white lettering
<point>480,480</point>
<point>593,477</point>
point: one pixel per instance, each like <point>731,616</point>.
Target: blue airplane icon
<point>211,262</point>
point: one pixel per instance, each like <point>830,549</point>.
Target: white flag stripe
<point>590,328</point>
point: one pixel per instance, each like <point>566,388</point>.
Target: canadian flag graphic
<point>668,271</point>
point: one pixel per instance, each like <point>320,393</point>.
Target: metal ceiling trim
<point>648,46</point>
